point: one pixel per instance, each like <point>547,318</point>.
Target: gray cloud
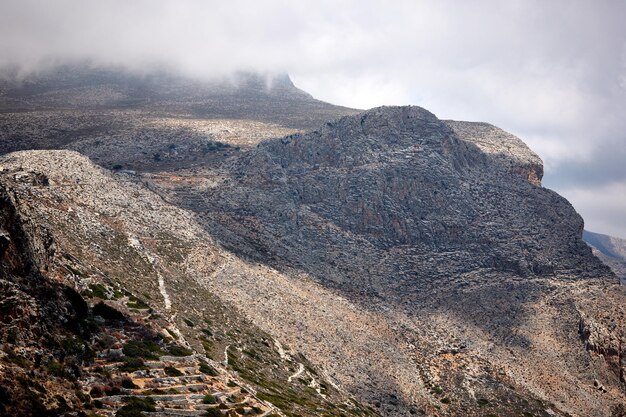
<point>554,73</point>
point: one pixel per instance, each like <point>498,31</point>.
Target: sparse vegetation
<point>171,371</point>
<point>146,349</point>
<point>176,350</point>
<point>56,368</point>
<point>209,399</point>
<point>98,290</point>
<point>129,384</point>
<point>213,146</point>
<point>132,364</point>
<point>207,369</point>
<point>136,303</point>
<point>135,405</point>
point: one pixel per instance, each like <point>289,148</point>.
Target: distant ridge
<point>611,250</point>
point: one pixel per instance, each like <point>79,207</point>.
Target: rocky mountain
<point>610,250</point>
<point>151,121</point>
<point>383,262</point>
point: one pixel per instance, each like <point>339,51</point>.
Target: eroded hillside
<point>146,328</point>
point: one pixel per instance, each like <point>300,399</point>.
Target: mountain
<point>611,250</point>
<point>383,262</point>
<point>155,120</point>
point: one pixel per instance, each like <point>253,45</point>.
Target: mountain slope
<point>611,250</point>
<point>439,230</point>
<point>151,121</point>
<point>108,238</point>
<point>415,266</point>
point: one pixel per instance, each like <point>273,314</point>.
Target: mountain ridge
<point>611,250</point>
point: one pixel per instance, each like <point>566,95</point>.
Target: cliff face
<point>399,179</point>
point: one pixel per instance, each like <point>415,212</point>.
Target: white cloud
<point>601,207</point>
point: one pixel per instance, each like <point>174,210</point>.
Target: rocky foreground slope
<point>101,308</point>
<point>388,263</point>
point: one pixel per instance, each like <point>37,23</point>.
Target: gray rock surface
<point>399,180</point>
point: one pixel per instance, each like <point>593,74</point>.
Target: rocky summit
<point>184,248</point>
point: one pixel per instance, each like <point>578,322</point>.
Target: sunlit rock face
<point>466,195</point>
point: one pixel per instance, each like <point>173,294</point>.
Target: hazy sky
<point>552,72</point>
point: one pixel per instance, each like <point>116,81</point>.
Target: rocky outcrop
<point>600,337</point>
<point>502,148</point>
<point>424,226</point>
<point>400,179</point>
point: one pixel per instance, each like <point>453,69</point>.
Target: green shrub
<point>176,350</point>
<point>135,405</point>
<point>129,384</point>
<point>206,369</point>
<point>212,146</point>
<point>446,400</point>
<point>55,368</point>
<point>189,322</point>
<point>136,303</point>
<point>98,290</point>
<point>132,364</point>
<point>171,371</point>
<point>209,399</point>
<point>141,349</point>
<point>437,390</point>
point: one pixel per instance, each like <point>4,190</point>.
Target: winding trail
<point>226,355</point>
<point>163,291</point>
<point>154,261</point>
<point>298,372</point>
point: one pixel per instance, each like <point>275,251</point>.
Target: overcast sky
<point>552,72</point>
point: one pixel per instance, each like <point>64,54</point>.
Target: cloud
<point>604,204</point>
<point>553,73</point>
